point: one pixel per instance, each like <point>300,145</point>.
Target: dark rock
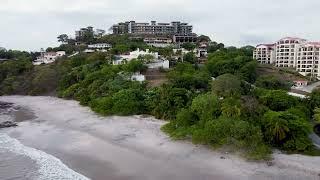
<point>222,157</point>
<point>5,105</point>
<point>270,163</point>
<point>7,124</point>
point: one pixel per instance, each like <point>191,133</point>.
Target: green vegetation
<point>238,110</point>
<point>272,82</point>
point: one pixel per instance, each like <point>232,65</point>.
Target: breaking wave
<point>49,166</point>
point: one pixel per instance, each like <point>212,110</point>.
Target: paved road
<point>310,88</point>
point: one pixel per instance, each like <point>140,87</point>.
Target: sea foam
<point>49,166</point>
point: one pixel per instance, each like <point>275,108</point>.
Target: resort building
<point>48,57</point>
<point>83,31</point>
<point>290,52</point>
<point>286,51</point>
<point>132,27</point>
<point>89,31</point>
<point>308,59</point>
<point>177,31</point>
<point>264,53</point>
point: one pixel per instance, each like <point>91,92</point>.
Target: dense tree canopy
<point>234,109</point>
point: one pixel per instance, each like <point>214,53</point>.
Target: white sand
<point>135,148</point>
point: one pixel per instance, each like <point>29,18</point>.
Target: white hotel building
<point>264,53</point>
<point>292,53</point>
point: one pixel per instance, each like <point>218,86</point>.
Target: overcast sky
<point>32,24</point>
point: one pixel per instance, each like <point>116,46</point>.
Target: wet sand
<point>134,148</point>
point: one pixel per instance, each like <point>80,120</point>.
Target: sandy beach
<point>133,148</point>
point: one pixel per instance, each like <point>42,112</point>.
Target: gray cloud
<point>33,24</point>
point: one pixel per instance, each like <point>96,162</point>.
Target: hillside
<point>282,74</point>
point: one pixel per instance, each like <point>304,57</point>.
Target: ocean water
<point>19,162</point>
<point>43,167</point>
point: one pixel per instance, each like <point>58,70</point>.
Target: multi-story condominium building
<point>308,59</point>
<point>89,31</point>
<point>83,31</point>
<point>132,27</point>
<point>293,53</point>
<point>264,53</point>
<point>286,51</point>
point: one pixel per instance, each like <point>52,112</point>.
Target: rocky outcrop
<point>7,124</point>
<point>5,105</point>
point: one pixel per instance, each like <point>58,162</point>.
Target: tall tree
<point>276,127</point>
<point>63,38</point>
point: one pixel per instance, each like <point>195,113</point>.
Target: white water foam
<point>49,166</point>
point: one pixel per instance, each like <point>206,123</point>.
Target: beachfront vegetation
<point>233,110</point>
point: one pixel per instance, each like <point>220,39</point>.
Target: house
<point>48,57</point>
<point>165,64</point>
<point>202,51</point>
<point>123,59</point>
<point>138,77</point>
<point>300,83</point>
<point>100,46</point>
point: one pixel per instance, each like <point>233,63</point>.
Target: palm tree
<point>275,126</point>
<point>231,108</point>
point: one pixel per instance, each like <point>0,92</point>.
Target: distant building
<point>138,77</point>
<point>165,64</point>
<point>100,46</point>
<point>84,31</point>
<point>123,59</point>
<point>202,51</point>
<point>48,57</point>
<point>300,83</point>
<point>264,53</point>
<point>187,38</point>
<point>158,41</point>
<point>132,27</point>
<point>286,51</point>
<point>291,52</point>
<point>308,59</point>
<point>89,32</point>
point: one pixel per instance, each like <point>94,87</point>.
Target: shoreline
<point>125,147</point>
